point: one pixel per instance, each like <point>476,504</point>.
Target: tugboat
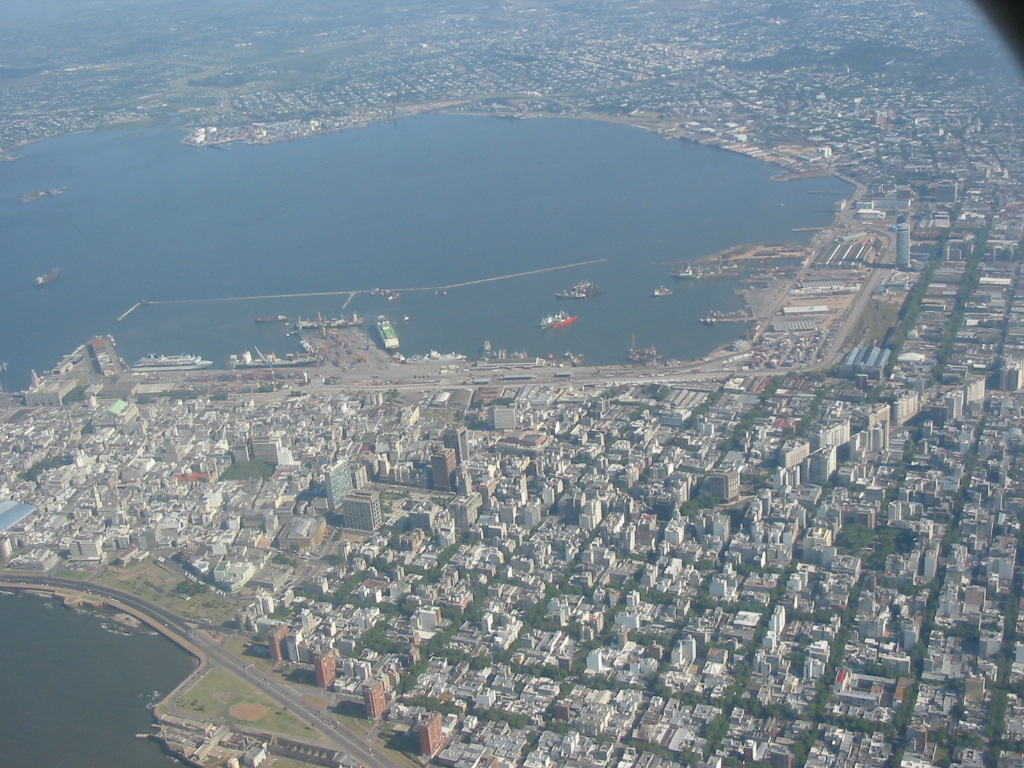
<point>661,290</point>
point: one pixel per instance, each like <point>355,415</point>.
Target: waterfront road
<point>210,654</point>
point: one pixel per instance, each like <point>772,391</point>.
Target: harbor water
<point>428,201</point>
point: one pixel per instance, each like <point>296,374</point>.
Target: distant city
<point>797,552</point>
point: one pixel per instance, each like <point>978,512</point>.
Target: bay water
<point>427,201</point>
<point>77,687</point>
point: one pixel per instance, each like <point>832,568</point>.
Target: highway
<point>210,655</point>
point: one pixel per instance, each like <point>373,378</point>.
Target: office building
<point>902,242</point>
<point>442,467</point>
<point>362,510</point>
<point>340,482</point>
<point>457,438</point>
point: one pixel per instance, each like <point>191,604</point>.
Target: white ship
<point>157,363</point>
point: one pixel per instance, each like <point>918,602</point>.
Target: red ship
<point>558,320</point>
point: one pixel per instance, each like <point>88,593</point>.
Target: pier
<point>351,294</point>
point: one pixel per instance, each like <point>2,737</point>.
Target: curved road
<point>212,655</point>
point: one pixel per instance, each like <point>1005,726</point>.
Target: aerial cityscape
<point>797,549</point>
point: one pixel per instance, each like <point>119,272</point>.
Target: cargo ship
<point>157,363</point>
<point>387,333</point>
<point>558,320</point>
<point>582,290</point>
<point>49,277</point>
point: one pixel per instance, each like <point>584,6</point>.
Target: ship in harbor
<point>387,333</point>
<point>274,319</point>
<point>686,273</point>
<point>643,355</point>
<point>558,320</point>
<point>661,290</point>
<point>330,322</point>
<point>584,290</point>
<point>158,363</point>
<point>49,277</point>
<point>270,360</point>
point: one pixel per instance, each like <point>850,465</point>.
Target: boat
<point>331,322</point>
<point>584,290</point>
<point>271,361</point>
<point>661,290</point>
<point>387,333</point>
<point>49,277</point>
<point>275,319</point>
<point>643,355</point>
<point>686,273</point>
<point>157,363</point>
<point>558,320</point>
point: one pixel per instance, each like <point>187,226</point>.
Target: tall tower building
<point>902,242</point>
<point>430,733</point>
<point>325,668</point>
<point>375,699</point>
<point>340,483</point>
<point>275,641</point>
<point>457,438</point>
<point>442,465</point>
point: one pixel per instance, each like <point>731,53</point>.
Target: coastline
<point>791,167</point>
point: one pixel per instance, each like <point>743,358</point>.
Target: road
<point>210,654</point>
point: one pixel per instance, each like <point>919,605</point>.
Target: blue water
<point>74,694</point>
<point>426,201</point>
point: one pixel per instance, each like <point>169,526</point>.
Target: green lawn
<point>221,696</point>
<point>151,582</point>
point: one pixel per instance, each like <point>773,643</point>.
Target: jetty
<point>350,294</point>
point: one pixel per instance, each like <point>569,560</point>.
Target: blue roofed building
<point>12,513</point>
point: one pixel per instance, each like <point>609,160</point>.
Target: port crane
<point>264,358</point>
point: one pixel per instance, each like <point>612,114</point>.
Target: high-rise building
<point>340,483</point>
<point>375,699</point>
<point>442,466</point>
<point>362,510</point>
<point>723,484</point>
<point>902,242</point>
<point>275,641</point>
<point>270,449</point>
<point>457,438</point>
<point>325,667</point>
<point>430,733</point>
